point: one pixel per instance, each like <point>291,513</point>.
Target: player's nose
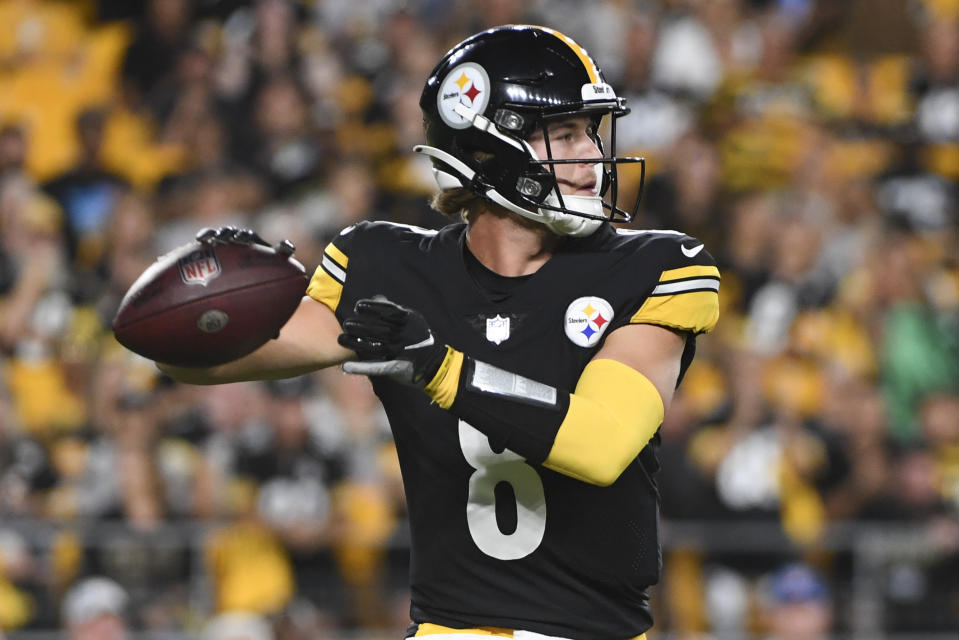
<point>588,149</point>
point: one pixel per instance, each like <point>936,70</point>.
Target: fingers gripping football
<point>391,340</point>
<point>212,301</point>
<point>236,235</point>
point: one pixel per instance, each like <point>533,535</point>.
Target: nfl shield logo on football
<point>586,320</point>
<point>199,267</point>
<point>497,329</point>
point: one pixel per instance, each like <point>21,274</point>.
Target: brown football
<point>204,304</point>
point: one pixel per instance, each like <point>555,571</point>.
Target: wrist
<point>444,384</point>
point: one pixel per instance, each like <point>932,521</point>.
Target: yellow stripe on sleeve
<point>323,288</point>
<point>334,252</point>
<point>695,271</point>
<point>613,413</point>
<point>695,311</point>
<point>326,285</point>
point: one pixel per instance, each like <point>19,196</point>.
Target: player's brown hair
<point>457,203</point>
<point>460,202</point>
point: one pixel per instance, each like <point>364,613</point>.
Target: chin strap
<point>559,223</point>
<point>447,180</point>
<point>566,224</point>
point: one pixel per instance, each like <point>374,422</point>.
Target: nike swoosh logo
<point>691,253</point>
<point>423,343</point>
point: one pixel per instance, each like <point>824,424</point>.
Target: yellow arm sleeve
<point>613,413</point>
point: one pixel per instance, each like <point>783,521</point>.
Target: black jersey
<point>497,541</point>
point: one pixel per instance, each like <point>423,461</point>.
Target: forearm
<point>271,361</point>
<point>592,434</point>
<point>307,342</point>
<point>613,414</point>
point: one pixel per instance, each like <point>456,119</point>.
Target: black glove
<point>393,341</point>
<point>237,235</point>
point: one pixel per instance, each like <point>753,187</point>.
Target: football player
<point>525,355</point>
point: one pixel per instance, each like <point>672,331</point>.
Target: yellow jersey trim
<point>686,299</point>
<point>613,413</point>
<point>323,288</point>
<point>326,285</point>
<point>695,311</point>
<point>695,271</point>
<point>334,252</point>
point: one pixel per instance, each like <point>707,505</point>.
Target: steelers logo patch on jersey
<point>586,320</point>
<point>468,85</point>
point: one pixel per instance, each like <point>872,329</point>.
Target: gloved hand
<point>391,340</point>
<point>237,235</point>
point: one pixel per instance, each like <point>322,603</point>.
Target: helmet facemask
<point>578,214</point>
<point>531,189</point>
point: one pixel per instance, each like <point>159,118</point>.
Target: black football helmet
<point>490,92</point>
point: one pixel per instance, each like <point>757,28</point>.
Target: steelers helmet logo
<point>586,320</point>
<point>466,84</point>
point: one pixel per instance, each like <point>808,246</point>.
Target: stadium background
<point>810,460</point>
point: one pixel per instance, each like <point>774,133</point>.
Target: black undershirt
<point>497,287</point>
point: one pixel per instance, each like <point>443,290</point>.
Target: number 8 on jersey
<point>491,468</point>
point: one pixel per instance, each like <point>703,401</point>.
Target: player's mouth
<point>587,188</point>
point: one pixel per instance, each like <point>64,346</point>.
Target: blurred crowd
<point>812,145</point>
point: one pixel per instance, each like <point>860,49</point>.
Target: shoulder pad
<point>364,238</point>
<point>326,285</point>
<point>686,294</point>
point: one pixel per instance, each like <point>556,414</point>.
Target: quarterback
<point>525,354</point>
